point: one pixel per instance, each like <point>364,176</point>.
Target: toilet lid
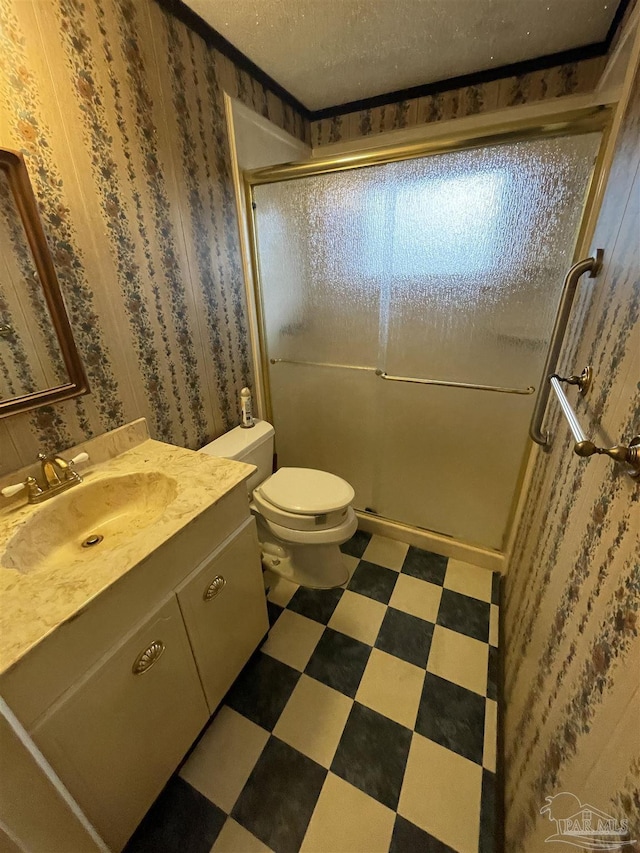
<point>306,491</point>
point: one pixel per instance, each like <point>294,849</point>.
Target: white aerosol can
<point>245,409</point>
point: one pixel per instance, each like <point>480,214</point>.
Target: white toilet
<point>303,515</point>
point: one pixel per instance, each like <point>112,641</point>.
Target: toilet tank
<point>253,445</point>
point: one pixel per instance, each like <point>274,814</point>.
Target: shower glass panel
<point>445,267</point>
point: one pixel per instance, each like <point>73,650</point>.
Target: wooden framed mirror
<point>39,360</point>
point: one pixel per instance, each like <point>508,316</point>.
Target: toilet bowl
<point>303,515</point>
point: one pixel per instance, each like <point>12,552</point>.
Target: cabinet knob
<point>215,588</point>
<point>148,657</point>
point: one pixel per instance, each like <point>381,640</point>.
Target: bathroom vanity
<point>114,655</point>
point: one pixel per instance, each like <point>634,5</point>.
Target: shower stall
<point>406,300</point>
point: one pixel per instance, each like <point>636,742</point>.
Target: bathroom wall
<point>571,79</point>
<point>118,109</point>
<point>572,684</point>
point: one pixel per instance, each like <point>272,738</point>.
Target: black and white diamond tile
<point>425,565</point>
<point>279,797</point>
<point>452,716</point>
<point>339,661</point>
<point>357,545</point>
<point>405,636</point>
<point>375,582</point>
<point>464,614</point>
<point>180,819</point>
<point>317,604</point>
<point>262,690</point>
<point>409,837</point>
<point>274,611</point>
<point>372,754</point>
<point>366,722</point>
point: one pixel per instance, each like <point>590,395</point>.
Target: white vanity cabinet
<point>116,736</point>
<point>132,680</point>
<point>223,605</point>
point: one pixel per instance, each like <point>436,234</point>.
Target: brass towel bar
<point>321,364</point>
<point>629,456</point>
<point>447,384</point>
<point>442,382</point>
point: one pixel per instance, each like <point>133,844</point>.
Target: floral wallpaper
<point>572,668</point>
<point>118,109</point>
<point>571,79</point>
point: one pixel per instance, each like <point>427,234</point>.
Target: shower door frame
<point>570,123</point>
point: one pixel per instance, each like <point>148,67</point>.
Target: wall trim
<point>212,37</point>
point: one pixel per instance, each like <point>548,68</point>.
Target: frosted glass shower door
<point>321,308</point>
<point>447,268</point>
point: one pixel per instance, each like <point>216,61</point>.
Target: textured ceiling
<point>329,52</point>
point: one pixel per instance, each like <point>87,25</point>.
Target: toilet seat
<point>330,536</point>
<point>304,499</point>
<point>306,491</point>
<point>297,521</point>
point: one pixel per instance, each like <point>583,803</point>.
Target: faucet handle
<point>10,491</point>
<point>68,468</point>
<point>30,484</point>
<point>81,457</point>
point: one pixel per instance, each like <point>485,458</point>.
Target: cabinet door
<point>225,610</point>
<point>115,737</point>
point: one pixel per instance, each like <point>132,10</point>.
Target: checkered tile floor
<point>366,722</point>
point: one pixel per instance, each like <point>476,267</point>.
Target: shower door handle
<point>593,267</point>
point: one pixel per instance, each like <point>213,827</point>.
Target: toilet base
<point>313,566</point>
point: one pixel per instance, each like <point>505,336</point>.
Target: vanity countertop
<point>35,603</point>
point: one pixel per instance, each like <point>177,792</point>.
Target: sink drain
<point>94,539</point>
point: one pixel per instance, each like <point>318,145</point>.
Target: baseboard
<point>430,541</point>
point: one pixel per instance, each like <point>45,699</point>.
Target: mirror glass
<point>39,362</point>
<point>30,355</point>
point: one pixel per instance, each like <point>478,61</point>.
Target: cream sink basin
<point>89,521</point>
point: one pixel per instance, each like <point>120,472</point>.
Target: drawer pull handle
<point>148,657</point>
<point>215,588</point>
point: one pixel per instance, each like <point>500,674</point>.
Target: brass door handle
<point>215,588</point>
<point>148,657</point>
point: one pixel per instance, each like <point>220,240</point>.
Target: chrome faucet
<point>58,475</point>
